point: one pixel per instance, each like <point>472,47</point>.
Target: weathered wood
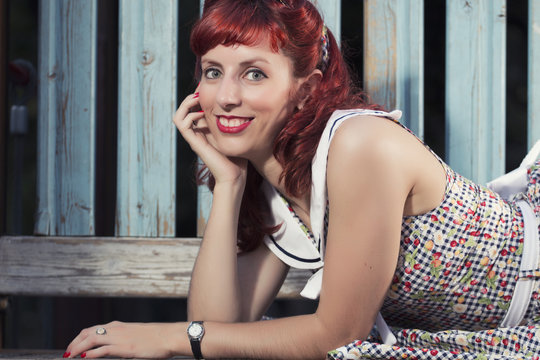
<point>66,118</point>
<point>146,105</point>
<point>533,130</point>
<point>106,266</point>
<point>475,87</point>
<point>331,13</point>
<point>394,57</point>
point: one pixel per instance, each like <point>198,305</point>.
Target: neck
<point>270,169</point>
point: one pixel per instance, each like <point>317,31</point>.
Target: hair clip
<point>325,43</point>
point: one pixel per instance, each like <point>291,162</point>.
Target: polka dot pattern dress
<point>457,270</point>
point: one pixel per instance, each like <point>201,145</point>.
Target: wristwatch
<point>195,333</point>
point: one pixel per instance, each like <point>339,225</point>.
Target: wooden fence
<point>147,98</point>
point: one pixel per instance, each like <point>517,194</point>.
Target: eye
<point>212,73</point>
<point>255,75</point>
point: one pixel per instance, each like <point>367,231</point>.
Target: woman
<point>299,180</point>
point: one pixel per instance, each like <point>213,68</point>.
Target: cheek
<point>206,98</point>
<point>268,98</point>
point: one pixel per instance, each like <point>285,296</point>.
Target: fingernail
<point>83,355</point>
<point>66,354</point>
<point>200,111</point>
<point>196,95</point>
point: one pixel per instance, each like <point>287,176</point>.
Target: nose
<point>229,93</point>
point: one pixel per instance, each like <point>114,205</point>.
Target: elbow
<point>197,311</point>
<point>334,334</point>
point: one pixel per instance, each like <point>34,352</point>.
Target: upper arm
<point>367,190</point>
<point>261,274</point>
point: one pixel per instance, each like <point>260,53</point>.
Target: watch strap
<point>195,342</point>
<point>196,348</point>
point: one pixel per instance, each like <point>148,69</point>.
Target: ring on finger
<point>101,331</point>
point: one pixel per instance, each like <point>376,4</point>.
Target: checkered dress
<point>457,270</point>
<point>455,277</point>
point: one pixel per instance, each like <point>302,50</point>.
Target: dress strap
<point>529,261</point>
<point>512,186</point>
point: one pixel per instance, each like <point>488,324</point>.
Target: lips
<point>232,124</point>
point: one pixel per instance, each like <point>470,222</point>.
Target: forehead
<point>239,53</point>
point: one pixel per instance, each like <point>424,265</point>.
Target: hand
<point>127,340</point>
<point>194,128</point>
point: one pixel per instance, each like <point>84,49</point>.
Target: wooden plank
<point>331,13</point>
<point>533,131</point>
<point>106,266</point>
<point>410,64</point>
<point>66,118</point>
<point>475,87</point>
<point>394,57</point>
<point>146,104</point>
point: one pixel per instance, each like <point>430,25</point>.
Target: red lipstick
<point>232,124</point>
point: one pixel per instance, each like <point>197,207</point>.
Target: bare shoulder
<point>387,155</point>
<point>372,139</point>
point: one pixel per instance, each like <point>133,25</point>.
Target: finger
<point>88,339</point>
<point>202,123</point>
<point>190,102</point>
<point>78,339</point>
<point>102,351</point>
<point>190,122</point>
<point>82,348</point>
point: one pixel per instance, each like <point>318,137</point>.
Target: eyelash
<point>208,71</point>
<point>256,71</point>
<point>250,71</point>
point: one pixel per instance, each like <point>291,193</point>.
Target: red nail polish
<point>200,111</point>
<point>66,354</point>
<point>83,355</point>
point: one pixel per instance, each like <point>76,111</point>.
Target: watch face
<point>195,330</point>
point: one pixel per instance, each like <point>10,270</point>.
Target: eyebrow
<point>243,63</point>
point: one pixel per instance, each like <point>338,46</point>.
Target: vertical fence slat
<point>534,73</point>
<point>475,87</point>
<point>66,118</point>
<point>393,61</point>
<point>331,12</point>
<point>410,64</point>
<point>146,104</point>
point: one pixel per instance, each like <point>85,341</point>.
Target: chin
<point>231,151</point>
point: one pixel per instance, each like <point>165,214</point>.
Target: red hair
<point>295,27</point>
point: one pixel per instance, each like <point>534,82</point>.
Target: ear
<point>308,85</point>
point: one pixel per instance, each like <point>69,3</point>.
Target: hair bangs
<point>241,22</point>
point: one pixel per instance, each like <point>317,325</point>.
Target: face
<point>246,93</point>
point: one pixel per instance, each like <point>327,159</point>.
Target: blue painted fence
<point>394,76</point>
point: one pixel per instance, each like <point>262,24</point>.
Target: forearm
<point>298,337</point>
<point>214,289</point>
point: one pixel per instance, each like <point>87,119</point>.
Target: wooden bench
<point>111,267</point>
